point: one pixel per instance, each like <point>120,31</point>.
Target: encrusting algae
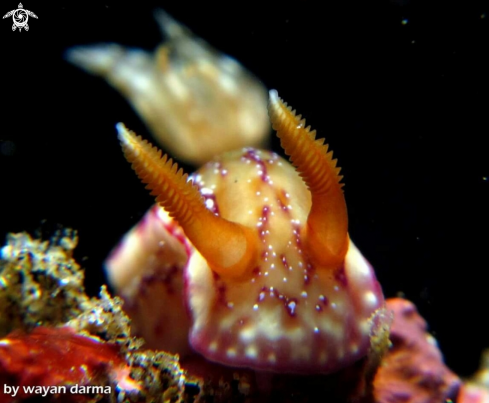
<point>45,314</point>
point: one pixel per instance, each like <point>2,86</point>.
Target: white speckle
<point>213,346</point>
<point>336,288</point>
<point>4,342</point>
<point>292,305</point>
<point>431,340</point>
<point>316,330</point>
<point>230,305</point>
<point>209,203</point>
<point>206,191</point>
<point>265,199</point>
<point>266,273</point>
<point>285,279</point>
<point>248,334</point>
<point>365,327</point>
<point>251,351</point>
<point>304,294</point>
<point>370,298</point>
<point>333,305</point>
<point>258,193</point>
<point>231,352</point>
<point>255,307</point>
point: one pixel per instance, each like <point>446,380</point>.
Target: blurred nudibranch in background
<point>196,101</point>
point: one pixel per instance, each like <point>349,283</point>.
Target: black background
<point>403,105</point>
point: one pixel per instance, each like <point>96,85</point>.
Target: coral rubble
<point>413,369</point>
<point>49,326</point>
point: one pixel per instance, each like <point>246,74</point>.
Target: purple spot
<point>283,206</point>
<point>291,306</point>
<point>323,299</point>
<point>212,205</point>
<point>256,271</point>
<point>251,155</point>
<point>221,294</point>
<point>162,275</point>
<point>284,262</point>
<point>308,273</point>
<point>340,276</point>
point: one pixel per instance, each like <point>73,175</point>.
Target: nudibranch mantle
<point>288,314</point>
<point>270,302</point>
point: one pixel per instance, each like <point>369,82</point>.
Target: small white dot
<point>370,298</point>
<point>251,352</point>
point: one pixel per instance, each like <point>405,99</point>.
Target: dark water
<point>399,89</point>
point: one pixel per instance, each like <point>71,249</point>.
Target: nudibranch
<point>271,279</point>
<point>196,101</point>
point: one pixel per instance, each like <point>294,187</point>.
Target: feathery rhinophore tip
<point>230,251</point>
<point>327,221</point>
